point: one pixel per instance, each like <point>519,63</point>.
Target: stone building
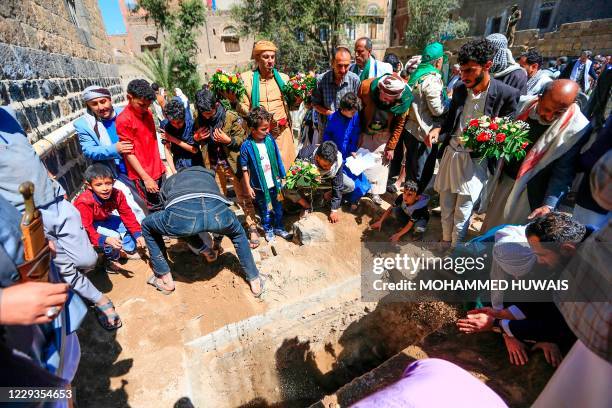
<point>491,16</point>
<point>569,40</point>
<point>218,41</point>
<point>375,23</point>
<point>51,51</point>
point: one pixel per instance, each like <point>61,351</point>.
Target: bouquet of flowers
<point>223,81</point>
<point>497,137</point>
<point>302,174</point>
<point>299,86</point>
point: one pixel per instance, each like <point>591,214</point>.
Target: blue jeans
<point>113,227</point>
<point>270,219</point>
<point>187,219</point>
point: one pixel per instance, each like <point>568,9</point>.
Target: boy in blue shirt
<point>263,171</point>
<point>343,126</point>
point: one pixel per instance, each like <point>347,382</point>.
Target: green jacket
<point>232,127</point>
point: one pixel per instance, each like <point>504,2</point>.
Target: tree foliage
<point>182,26</point>
<point>306,31</point>
<point>157,65</point>
<point>430,21</point>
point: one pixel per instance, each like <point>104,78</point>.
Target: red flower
<point>500,137</point>
<point>219,70</point>
<point>238,74</point>
<point>303,86</point>
<point>295,86</point>
<point>483,137</point>
<point>282,122</point>
<point>524,145</point>
<point>473,123</point>
<point>294,172</point>
<point>493,126</point>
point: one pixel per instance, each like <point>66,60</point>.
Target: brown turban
<point>262,46</point>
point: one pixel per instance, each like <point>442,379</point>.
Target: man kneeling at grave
<point>329,162</point>
<point>193,204</point>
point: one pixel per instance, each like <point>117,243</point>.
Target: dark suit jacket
<point>516,79</point>
<point>501,100</point>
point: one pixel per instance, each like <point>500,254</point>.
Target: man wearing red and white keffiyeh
<point>526,189</point>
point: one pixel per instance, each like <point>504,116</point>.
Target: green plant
<point>157,66</point>
<point>430,21</point>
<point>306,32</point>
<point>182,26</point>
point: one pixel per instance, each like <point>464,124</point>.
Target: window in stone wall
<point>373,30</point>
<point>350,31</point>
<point>324,34</point>
<point>546,11</point>
<point>72,14</point>
<point>150,44</point>
<point>230,39</point>
<point>496,25</point>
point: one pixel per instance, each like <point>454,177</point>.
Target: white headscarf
<point>512,258</point>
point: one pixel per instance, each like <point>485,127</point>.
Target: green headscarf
<point>399,107</point>
<point>430,53</point>
<point>255,90</point>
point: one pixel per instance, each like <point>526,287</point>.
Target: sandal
<point>262,282</point>
<point>109,321</point>
<point>253,242</point>
<point>153,282</point>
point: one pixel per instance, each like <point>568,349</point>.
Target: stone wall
<point>50,51</point>
<point>569,40</point>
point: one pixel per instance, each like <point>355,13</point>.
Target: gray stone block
<point>4,96</point>
<point>30,113</point>
<point>15,92</point>
<point>30,90</point>
<point>12,67</point>
<point>311,230</point>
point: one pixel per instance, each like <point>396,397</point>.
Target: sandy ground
<point>143,363</point>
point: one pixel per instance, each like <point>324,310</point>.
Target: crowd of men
<point>408,120</point>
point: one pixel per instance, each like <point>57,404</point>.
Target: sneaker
<point>270,236</point>
<point>283,234</point>
<point>377,200</point>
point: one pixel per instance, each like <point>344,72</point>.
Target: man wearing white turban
<point>386,101</point>
<point>100,143</point>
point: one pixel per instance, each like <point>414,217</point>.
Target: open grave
<point>309,340</point>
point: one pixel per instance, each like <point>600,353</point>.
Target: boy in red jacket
<point>119,235</point>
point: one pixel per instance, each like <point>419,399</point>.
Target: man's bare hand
<point>388,155</point>
<point>333,217</point>
<point>432,137</point>
<point>377,225</point>
<point>230,96</point>
<point>113,242</point>
<point>516,350</point>
<point>540,211</point>
<point>124,147</point>
<point>140,241</point>
<point>220,136</point>
<point>151,185</point>
<point>552,354</point>
<point>475,323</point>
<point>28,303</point>
<point>201,134</point>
